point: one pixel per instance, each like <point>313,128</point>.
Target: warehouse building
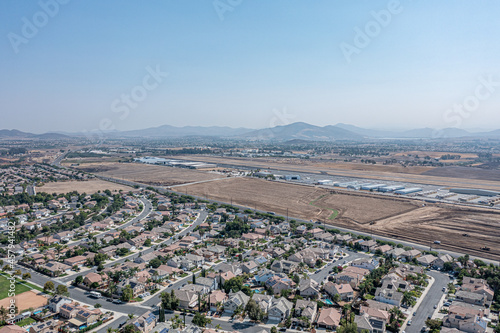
<point>408,190</point>
<point>390,188</point>
<point>472,191</point>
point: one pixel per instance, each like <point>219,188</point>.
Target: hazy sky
<point>78,65</point>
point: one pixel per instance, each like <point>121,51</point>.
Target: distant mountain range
<point>295,131</point>
<point>15,134</point>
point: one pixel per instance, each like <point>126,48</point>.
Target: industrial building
<point>371,187</point>
<point>292,177</point>
<point>390,188</point>
<point>325,182</point>
<point>472,191</point>
<point>345,185</point>
<point>408,190</point>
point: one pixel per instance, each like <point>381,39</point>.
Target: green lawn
<point>26,321</point>
<point>5,286</point>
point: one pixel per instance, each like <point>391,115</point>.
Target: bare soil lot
<point>89,187</point>
<point>149,174</point>
<point>403,219</point>
<point>306,202</point>
<point>448,225</point>
<point>26,300</point>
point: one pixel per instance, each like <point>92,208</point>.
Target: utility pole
<point>287,214</point>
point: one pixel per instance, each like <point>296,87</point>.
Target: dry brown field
<point>26,300</point>
<point>148,174</point>
<point>403,219</point>
<point>88,186</point>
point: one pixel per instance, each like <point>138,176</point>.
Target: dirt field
<point>26,300</point>
<point>398,218</point>
<point>89,186</point>
<point>149,174</point>
<point>302,201</point>
<point>380,172</point>
<point>431,223</point>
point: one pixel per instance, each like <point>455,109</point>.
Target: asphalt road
<point>432,298</point>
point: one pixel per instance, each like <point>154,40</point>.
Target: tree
<point>94,285</point>
<point>26,276</point>
<point>433,324</point>
<point>129,328</point>
<point>147,242</point>
<point>127,293</point>
<point>200,320</point>
<point>347,327</point>
<point>48,286</point>
<point>274,329</point>
<point>61,289</point>
<point>408,299</point>
<point>3,313</point>
<point>161,314</point>
<point>79,279</point>
<point>169,301</point>
<point>254,311</point>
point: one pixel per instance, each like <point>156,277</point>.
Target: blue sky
<point>265,63</point>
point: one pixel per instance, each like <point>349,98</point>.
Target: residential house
<point>426,260</point>
<point>263,301</point>
<point>56,302</point>
<point>145,323</point>
<point>308,288</point>
<point>217,298</point>
<point>210,283</point>
<point>410,254</point>
<point>236,300</point>
<point>92,278</point>
<point>280,309</point>
<point>187,299</point>
<point>441,260</point>
<point>329,318</point>
<point>352,275</point>
<point>344,290</point>
<point>305,312</point>
<point>250,267</point>
<point>366,263</point>
<point>284,266</point>
<point>280,282</point>
<point>369,245</point>
<point>466,323</point>
<point>369,324</point>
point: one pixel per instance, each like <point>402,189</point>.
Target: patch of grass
<point>26,321</point>
<point>335,212</point>
<point>5,286</point>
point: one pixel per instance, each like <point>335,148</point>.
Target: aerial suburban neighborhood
<point>148,260</point>
<point>232,166</point>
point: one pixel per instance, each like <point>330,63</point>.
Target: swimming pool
<point>327,301</point>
